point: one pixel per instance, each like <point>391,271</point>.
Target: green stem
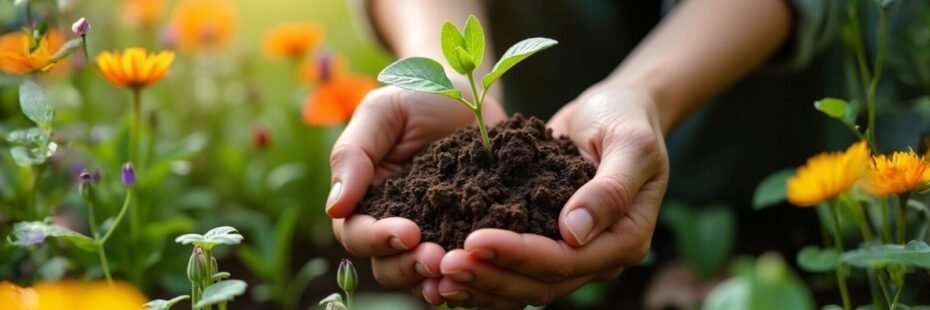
<point>477,109</point>
<point>838,240</point>
<point>860,218</point>
<point>84,47</point>
<point>902,218</point>
<point>350,297</point>
<point>195,294</point>
<point>879,54</point>
<point>897,296</point>
<point>886,220</point>
<point>103,263</point>
<point>858,46</point>
<point>880,274</point>
<point>93,231</point>
<point>119,217</point>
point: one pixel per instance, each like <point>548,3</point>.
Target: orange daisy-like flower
<point>141,12</point>
<point>334,102</point>
<point>70,294</point>
<point>900,173</point>
<point>827,175</point>
<point>17,56</point>
<point>134,68</point>
<point>293,40</point>
<point>204,24</point>
<point>321,69</point>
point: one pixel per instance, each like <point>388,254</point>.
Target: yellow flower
<point>827,175</point>
<point>134,68</point>
<point>71,295</point>
<point>141,12</point>
<point>293,40</point>
<point>204,24</point>
<point>898,174</point>
<point>16,57</point>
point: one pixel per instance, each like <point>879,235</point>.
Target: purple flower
<point>129,175</point>
<point>86,177</point>
<point>81,27</point>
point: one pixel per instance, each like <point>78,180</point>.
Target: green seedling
<point>463,51</point>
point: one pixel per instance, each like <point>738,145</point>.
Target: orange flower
<point>827,175</point>
<point>293,40</point>
<point>204,24</point>
<point>72,295</point>
<point>322,68</point>
<point>15,55</point>
<point>334,102</point>
<point>898,174</point>
<point>141,12</point>
<point>134,68</point>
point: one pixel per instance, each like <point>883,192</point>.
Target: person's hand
<point>388,128</point>
<point>605,226</point>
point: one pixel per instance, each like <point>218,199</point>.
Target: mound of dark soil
<point>453,188</point>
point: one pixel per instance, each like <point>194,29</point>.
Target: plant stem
<point>119,217</point>
<point>886,220</point>
<point>873,88</point>
<point>84,47</point>
<point>350,296</point>
<point>902,218</point>
<point>477,109</point>
<point>93,231</point>
<point>838,240</point>
<point>880,274</point>
<point>853,12</point>
<point>897,295</point>
<point>860,218</point>
<point>103,263</point>
<point>195,294</point>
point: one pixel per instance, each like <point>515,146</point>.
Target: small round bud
<point>128,175</point>
<point>197,266</point>
<point>81,27</point>
<point>346,276</point>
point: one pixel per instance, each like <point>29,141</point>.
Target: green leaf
<point>832,107</point>
<point>915,253</point>
<point>419,74</point>
<point>161,304</point>
<point>771,190</point>
<point>66,49</point>
<point>451,38</point>
<point>220,292</point>
<point>704,235</point>
<point>334,297</point>
<point>222,275</point>
<point>32,156</point>
<point>27,234</point>
<point>220,235</point>
<point>467,64</point>
<point>32,136</point>
<point>34,104</point>
<point>770,285</point>
<point>514,55</point>
<point>474,40</point>
<point>814,259</point>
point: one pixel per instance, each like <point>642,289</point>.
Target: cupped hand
<point>605,226</point>
<point>387,129</point>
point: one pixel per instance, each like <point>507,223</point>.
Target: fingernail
<point>423,270</point>
<point>334,193</point>
<point>484,254</point>
<point>398,245</point>
<point>426,296</point>
<point>455,295</point>
<point>462,276</point>
<point>580,224</point>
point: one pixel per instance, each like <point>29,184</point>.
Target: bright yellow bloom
<point>71,295</point>
<point>15,55</point>
<point>827,175</point>
<point>898,174</point>
<point>141,12</point>
<point>294,40</point>
<point>204,24</point>
<point>134,68</point>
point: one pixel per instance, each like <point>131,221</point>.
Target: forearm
<point>701,48</point>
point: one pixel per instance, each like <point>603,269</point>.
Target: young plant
<point>209,286</point>
<point>347,278</point>
<point>463,51</point>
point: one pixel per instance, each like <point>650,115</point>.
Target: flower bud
<point>261,138</point>
<point>346,276</point>
<point>81,27</point>
<point>197,266</point>
<point>326,67</point>
<point>86,181</point>
<point>129,175</point>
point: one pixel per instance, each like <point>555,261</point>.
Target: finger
<point>364,142</point>
<point>474,272</point>
<point>430,291</point>
<point>337,229</point>
<point>408,268</point>
<point>458,295</point>
<point>559,121</point>
<point>363,235</point>
<point>553,261</point>
<point>628,158</point>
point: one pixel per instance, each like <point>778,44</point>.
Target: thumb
<point>604,199</point>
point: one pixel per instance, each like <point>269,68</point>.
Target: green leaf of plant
<point>770,285</point>
<point>32,136</point>
<point>466,59</point>
<point>161,304</point>
<point>34,104</point>
<point>419,74</point>
<point>222,275</point>
<point>27,234</point>
<point>514,55</point>
<point>220,292</point>
<point>474,40</point>
<point>814,259</point>
<point>705,235</point>
<point>334,297</point>
<point>451,38</point>
<point>771,190</point>
<point>833,107</point>
<point>66,49</point>
<point>915,253</point>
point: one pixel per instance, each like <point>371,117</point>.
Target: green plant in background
<point>766,284</point>
<point>347,278</point>
<point>464,51</point>
<point>209,285</point>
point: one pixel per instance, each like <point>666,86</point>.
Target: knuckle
<point>340,152</point>
<point>637,254</point>
<point>617,191</point>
